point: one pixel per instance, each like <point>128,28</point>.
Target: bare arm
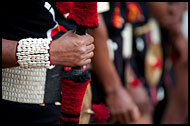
<point>169,16</point>
<point>159,10</point>
<point>8,53</point>
<point>102,64</point>
<point>120,104</point>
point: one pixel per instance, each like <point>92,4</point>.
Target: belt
<point>30,86</point>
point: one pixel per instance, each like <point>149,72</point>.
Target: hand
<point>72,50</point>
<point>121,106</point>
<point>140,97</point>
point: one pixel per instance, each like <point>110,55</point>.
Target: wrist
<point>113,88</point>
<point>53,52</point>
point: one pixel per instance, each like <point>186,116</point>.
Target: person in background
<point>108,77</point>
<point>170,15</point>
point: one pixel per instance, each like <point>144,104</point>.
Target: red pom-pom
<point>101,113</point>
<point>84,14</point>
<point>64,7</point>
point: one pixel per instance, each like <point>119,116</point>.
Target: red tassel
<point>84,14</point>
<point>64,7</point>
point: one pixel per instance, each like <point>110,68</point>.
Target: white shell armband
<point>34,53</point>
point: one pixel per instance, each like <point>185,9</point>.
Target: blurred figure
<point>130,104</point>
<point>138,54</point>
<point>170,17</point>
<point>146,62</point>
<point>107,85</point>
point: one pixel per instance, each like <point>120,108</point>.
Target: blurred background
<point>140,76</point>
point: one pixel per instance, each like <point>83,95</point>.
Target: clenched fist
<point>72,50</point>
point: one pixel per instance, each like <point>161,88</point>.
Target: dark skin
<point>178,97</point>
<point>166,13</point>
<point>140,97</point>
<point>121,105</point>
<point>170,16</point>
<point>68,50</point>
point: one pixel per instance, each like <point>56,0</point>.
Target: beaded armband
<point>34,53</point>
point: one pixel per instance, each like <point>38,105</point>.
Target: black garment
<point>33,19</point>
<point>29,19</point>
<point>16,113</point>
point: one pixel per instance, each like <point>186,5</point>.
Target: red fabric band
<point>49,54</point>
<point>15,54</point>
<point>72,97</point>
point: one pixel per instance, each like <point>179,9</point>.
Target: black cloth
<point>29,19</point>
<point>16,113</point>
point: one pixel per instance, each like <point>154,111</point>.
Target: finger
<point>128,117</point>
<point>87,56</point>
<point>114,118</point>
<point>85,62</point>
<point>121,118</point>
<point>89,39</point>
<point>134,114</point>
<point>90,48</point>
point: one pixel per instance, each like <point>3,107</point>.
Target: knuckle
<point>75,63</point>
<point>91,39</point>
<point>92,54</point>
<point>82,50</point>
<point>81,57</point>
<point>81,63</point>
<point>93,46</point>
<point>88,61</point>
<point>79,42</point>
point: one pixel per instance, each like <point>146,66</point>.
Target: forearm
<point>102,64</point>
<point>159,10</point>
<point>181,88</point>
<point>167,14</point>
<point>8,53</point>
<point>178,97</point>
<point>106,73</point>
